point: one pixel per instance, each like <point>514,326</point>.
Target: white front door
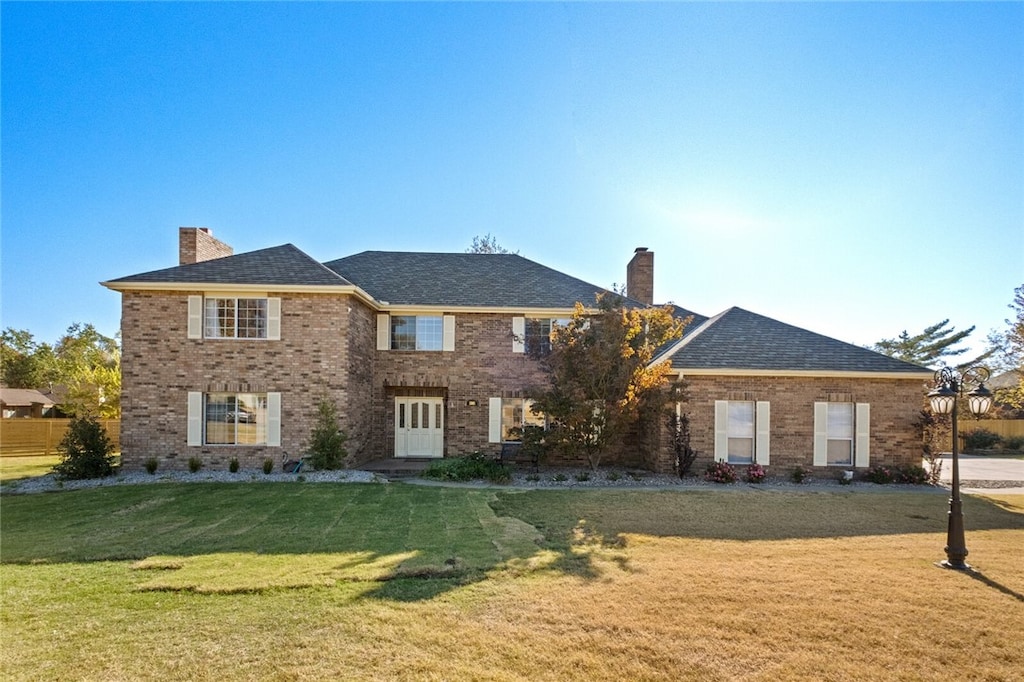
<point>419,427</point>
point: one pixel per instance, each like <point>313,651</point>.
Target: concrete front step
<point>395,467</point>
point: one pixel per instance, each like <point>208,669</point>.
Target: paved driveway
<point>986,468</point>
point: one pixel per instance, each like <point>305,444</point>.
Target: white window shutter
<point>494,420</point>
<point>274,419</point>
<point>518,334</point>
<point>721,430</point>
<point>195,317</point>
<point>762,422</point>
<point>195,417</point>
<point>448,333</point>
<point>383,331</point>
<point>820,434</point>
<point>274,319</point>
<point>862,442</point>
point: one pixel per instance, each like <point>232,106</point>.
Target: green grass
<point>16,468</point>
<point>318,581</point>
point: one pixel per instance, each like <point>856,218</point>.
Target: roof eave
<point>215,287</point>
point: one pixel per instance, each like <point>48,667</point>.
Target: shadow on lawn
<point>406,543</point>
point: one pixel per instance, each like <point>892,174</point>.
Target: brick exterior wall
<point>895,406</point>
<point>160,365</point>
<point>328,348</point>
<point>482,366</point>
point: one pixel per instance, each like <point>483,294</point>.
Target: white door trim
<point>419,426</point>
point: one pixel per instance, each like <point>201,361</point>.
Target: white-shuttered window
<point>842,434</point>
<point>839,447</point>
<point>418,332</point>
<point>234,318</point>
<point>509,416</point>
<point>742,431</point>
<point>234,418</point>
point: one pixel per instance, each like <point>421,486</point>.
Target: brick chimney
<point>196,244</point>
<point>640,276</point>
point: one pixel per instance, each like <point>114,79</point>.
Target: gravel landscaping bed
<point>567,478</point>
<point>49,482</point>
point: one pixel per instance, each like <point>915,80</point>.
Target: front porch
<point>398,467</point>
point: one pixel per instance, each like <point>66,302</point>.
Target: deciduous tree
<point>602,374</point>
<point>84,363</point>
<point>487,244</point>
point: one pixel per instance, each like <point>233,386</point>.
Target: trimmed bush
<point>327,441</point>
<point>799,474</point>
<point>151,465</point>
<point>720,472</point>
<point>980,439</point>
<point>85,451</point>
<point>268,466</point>
<point>1013,443</point>
<point>755,474</point>
<point>474,467</point>
<point>233,465</point>
<point>194,464</point>
<point>913,474</point>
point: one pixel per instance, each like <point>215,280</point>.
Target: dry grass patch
<point>627,585</point>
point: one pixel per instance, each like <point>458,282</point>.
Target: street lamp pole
<point>949,388</point>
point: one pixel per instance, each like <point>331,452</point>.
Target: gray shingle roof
<point>462,279</point>
<point>285,265</point>
<point>739,339</point>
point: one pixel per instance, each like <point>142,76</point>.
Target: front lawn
<point>15,468</point>
<point>320,581</point>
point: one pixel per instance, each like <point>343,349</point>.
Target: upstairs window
<point>537,334</point>
<point>416,332</point>
<point>235,318</point>
<point>229,317</point>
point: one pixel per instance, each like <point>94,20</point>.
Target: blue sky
<point>855,169</point>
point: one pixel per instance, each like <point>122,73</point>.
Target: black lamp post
<point>949,387</point>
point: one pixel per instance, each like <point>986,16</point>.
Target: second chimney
<point>640,276</point>
<point>196,244</point>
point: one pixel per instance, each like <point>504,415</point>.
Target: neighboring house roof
<point>278,265</point>
<point>1009,379</point>
<point>23,397</point>
<point>738,339</point>
<point>496,280</point>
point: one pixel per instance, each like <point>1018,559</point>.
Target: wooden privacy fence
<point>41,436</point>
<point>1003,427</point>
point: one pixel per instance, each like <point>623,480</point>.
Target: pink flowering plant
<point>755,473</point>
<point>720,472</point>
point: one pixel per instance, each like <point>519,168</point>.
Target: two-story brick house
<point>425,355</point>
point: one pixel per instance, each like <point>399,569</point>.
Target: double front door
<point>419,427</point>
